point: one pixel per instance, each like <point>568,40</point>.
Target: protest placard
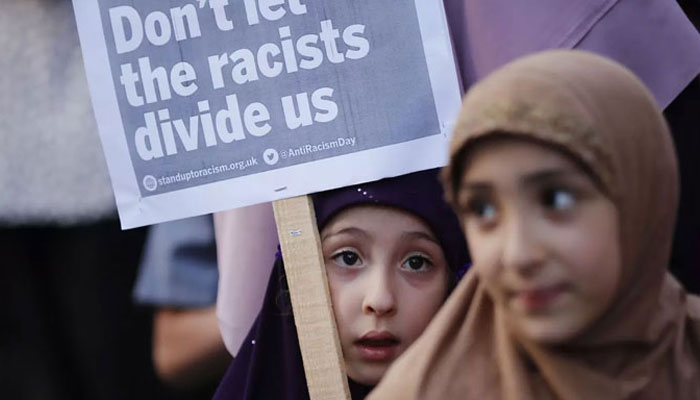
<point>208,105</point>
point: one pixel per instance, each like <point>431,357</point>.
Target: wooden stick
<point>311,302</point>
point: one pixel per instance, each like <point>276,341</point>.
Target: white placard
<point>208,105</point>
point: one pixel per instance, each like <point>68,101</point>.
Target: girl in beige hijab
<point>564,175</point>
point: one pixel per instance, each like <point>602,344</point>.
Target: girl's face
<point>543,238</point>
<point>387,276</point>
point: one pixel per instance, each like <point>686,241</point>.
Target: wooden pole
<point>311,302</point>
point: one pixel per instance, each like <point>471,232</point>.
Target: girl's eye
<point>347,258</point>
<point>482,209</point>
<point>558,199</point>
<point>416,263</point>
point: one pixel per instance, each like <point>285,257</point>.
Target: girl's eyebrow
<point>529,179</point>
<point>475,187</point>
<point>352,231</point>
<point>546,175</point>
<point>419,235</point>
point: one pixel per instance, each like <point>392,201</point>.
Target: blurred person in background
<point>69,328</point>
<point>178,277</point>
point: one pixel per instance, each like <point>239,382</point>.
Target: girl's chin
<point>370,375</point>
<point>547,332</point>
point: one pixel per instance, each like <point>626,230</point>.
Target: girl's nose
<point>522,250</point>
<point>379,297</point>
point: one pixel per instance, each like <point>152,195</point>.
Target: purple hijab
<point>269,365</point>
<point>419,193</point>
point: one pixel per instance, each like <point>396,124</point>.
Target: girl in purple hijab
<point>393,251</point>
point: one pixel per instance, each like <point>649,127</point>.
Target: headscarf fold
<point>647,343</point>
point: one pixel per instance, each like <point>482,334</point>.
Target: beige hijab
<point>647,344</point>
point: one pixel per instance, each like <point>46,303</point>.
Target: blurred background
<point>71,324</point>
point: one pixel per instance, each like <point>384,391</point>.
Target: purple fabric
<point>269,365</point>
<point>419,193</point>
<point>653,38</point>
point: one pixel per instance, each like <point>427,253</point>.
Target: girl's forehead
<point>374,217</point>
<point>514,158</point>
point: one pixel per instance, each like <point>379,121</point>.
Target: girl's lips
<point>538,298</point>
<point>377,346</point>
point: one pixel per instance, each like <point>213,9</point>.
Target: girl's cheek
<point>339,286</point>
<point>347,293</point>
<point>485,254</point>
<point>489,278</point>
<point>486,263</point>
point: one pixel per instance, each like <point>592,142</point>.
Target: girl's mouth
<point>538,299</point>
<point>377,346</point>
